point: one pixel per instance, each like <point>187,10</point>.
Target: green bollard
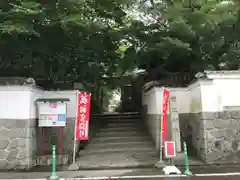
<point>187,171</point>
<point>53,176</point>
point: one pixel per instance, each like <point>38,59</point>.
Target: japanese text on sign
<point>170,149</point>
<point>83,116</point>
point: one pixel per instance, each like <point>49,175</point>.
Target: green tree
<point>72,40</point>
<point>187,36</point>
<point>67,40</point>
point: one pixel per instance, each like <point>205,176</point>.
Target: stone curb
<point>27,179</point>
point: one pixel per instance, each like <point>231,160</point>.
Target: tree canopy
<point>84,40</point>
<point>188,36</point>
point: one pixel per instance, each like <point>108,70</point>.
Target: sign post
<point>81,123</point>
<point>52,112</point>
<point>75,126</point>
<point>174,127</point>
<point>170,152</point>
<point>74,166</point>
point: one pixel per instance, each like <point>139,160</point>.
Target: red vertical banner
<point>83,116</point>
<point>164,115</point>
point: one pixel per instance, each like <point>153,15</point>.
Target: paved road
<point>128,174</point>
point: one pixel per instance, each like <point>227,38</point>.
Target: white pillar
<point>173,125</point>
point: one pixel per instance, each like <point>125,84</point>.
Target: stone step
<point>125,160</point>
<point>121,113</point>
<point>110,125</point>
<point>120,144</point>
<point>123,120</point>
<point>148,154</point>
<point>124,114</point>
<point>123,124</point>
<point>122,129</point>
<point>119,134</point>
<point>116,150</point>
<point>119,116</point>
<point>135,118</point>
<point>116,165</point>
<point>120,139</point>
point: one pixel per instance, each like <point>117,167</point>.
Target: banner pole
<point>161,139</point>
<point>161,128</point>
<point>160,163</point>
<point>75,131</point>
<point>61,144</point>
<point>74,166</point>
<point>43,143</point>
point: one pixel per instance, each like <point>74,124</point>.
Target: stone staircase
<point>122,142</point>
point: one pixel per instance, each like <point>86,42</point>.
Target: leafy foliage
<point>189,37</point>
<point>83,40</point>
<point>68,40</point>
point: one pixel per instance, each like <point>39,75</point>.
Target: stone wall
<point>214,137</point>
<point>17,143</point>
<point>192,132</point>
<point>222,137</point>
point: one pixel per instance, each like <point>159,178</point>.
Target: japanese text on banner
<point>164,115</point>
<point>83,116</point>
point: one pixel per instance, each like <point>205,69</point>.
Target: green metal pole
<point>187,171</point>
<point>53,176</point>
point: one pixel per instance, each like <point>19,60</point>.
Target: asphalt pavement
<point>204,172</point>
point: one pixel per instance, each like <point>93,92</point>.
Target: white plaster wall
<point>15,102</point>
<point>201,96</point>
<point>18,102</point>
<point>153,100</point>
<point>182,99</point>
<point>71,95</point>
<point>210,96</point>
<point>151,121</point>
<point>195,98</point>
<point>158,100</point>
<point>219,93</point>
<point>35,94</point>
<point>149,99</point>
<point>227,92</point>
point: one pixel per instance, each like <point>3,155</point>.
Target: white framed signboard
<point>52,114</point>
